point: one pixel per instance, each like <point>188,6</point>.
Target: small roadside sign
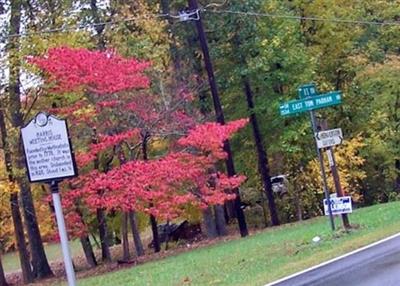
<point>339,205</point>
<point>329,138</point>
<point>307,90</point>
<point>47,147</point>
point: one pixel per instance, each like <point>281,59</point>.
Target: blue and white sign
<point>339,205</point>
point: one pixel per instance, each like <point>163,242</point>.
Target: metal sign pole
<point>69,268</point>
<point>323,173</point>
<point>335,173</point>
<point>336,181</point>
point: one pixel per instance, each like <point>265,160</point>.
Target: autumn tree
<point>96,87</point>
<point>153,185</point>
<point>145,115</point>
<point>40,264</point>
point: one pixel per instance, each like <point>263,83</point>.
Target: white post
<point>69,268</point>
<point>330,157</point>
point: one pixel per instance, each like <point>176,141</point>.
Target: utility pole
<point>193,6</point>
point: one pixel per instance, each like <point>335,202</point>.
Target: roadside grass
<point>263,257</point>
<point>53,252</point>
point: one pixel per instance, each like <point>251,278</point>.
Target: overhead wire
<point>205,9</point>
<point>307,18</point>
<point>83,26</point>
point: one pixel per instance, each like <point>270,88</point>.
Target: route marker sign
<point>329,138</point>
<point>307,90</point>
<point>47,149</point>
<point>339,205</point>
<point>310,103</point>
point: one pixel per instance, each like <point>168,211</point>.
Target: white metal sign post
<point>49,159</point>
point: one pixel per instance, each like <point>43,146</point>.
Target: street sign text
<point>329,138</point>
<point>339,205</point>
<point>310,103</point>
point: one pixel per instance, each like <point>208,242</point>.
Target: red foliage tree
<point>163,186</point>
<point>171,182</point>
<point>95,71</point>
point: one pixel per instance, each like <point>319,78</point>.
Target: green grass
<point>53,252</point>
<point>263,257</point>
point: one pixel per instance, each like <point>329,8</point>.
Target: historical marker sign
<point>339,205</point>
<point>49,158</point>
<point>329,138</point>
<point>310,103</point>
<point>47,149</point>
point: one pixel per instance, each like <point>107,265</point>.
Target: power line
<point>294,17</point>
<point>204,10</point>
<point>84,26</point>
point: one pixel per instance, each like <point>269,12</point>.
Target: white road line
<point>333,260</point>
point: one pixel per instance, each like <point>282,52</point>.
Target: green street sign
<point>307,90</point>
<point>311,103</point>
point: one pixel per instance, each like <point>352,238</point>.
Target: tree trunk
<point>3,281</point>
<point>263,165</point>
<point>125,241</point>
<point>88,251</point>
<point>397,183</point>
<point>193,5</point>
<point>156,238</point>
<point>130,218</point>
<point>27,275</point>
<point>85,242</point>
<point>153,221</point>
<point>40,264</point>
<point>100,215</point>
<point>220,220</point>
<point>102,225</point>
<point>209,223</point>
<point>41,267</point>
<point>136,234</point>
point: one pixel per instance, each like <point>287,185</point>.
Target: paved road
<point>376,266</point>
